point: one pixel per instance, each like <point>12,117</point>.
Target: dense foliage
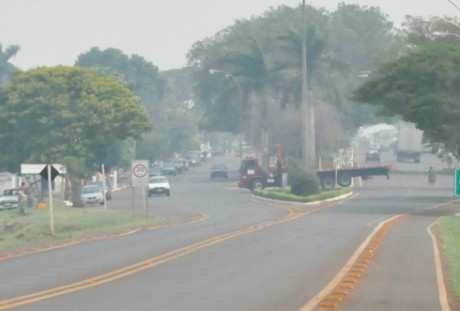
<point>247,77</point>
<point>161,94</point>
<point>422,87</point>
<point>66,115</point>
<point>246,73</point>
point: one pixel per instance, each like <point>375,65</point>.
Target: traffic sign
<point>139,173</point>
<point>457,182</point>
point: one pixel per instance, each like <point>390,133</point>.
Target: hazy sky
<point>53,32</point>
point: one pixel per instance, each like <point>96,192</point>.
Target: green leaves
<point>422,87</point>
<point>50,114</point>
<point>265,55</point>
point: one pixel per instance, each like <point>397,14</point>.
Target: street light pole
<point>229,75</point>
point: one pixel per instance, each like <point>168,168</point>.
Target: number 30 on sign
<point>140,173</point>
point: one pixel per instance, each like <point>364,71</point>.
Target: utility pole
<point>308,112</point>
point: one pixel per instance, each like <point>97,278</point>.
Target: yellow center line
<point>293,213</point>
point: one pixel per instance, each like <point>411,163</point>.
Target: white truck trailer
<point>409,144</point>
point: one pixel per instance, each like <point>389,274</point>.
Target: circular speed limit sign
<point>140,170</point>
<point>140,173</point>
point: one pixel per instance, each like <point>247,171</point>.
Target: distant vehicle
<point>409,144</point>
<point>92,195</point>
<point>159,185</point>
<point>169,169</point>
<point>9,199</point>
<point>219,170</point>
<point>194,158</point>
<point>372,155</point>
<point>106,188</point>
<point>155,171</point>
<point>253,176</point>
<point>178,164</point>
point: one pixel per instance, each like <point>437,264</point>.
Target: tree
<point>361,38</point>
<point>264,55</point>
<point>418,31</point>
<point>142,77</point>
<point>66,115</point>
<point>7,69</point>
<point>162,94</point>
<point>422,87</point>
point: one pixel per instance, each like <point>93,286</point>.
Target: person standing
<point>22,198</point>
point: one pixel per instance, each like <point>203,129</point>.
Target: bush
<point>303,182</point>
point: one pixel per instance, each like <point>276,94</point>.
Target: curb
<point>338,198</point>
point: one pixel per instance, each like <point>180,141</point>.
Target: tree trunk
<point>76,192</point>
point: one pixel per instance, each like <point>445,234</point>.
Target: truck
<point>409,144</point>
<point>254,176</point>
<point>343,176</point>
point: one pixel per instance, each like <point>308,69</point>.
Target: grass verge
<point>450,232</point>
<point>34,227</point>
<point>285,195</point>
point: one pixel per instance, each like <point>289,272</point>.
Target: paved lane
<point>245,254</point>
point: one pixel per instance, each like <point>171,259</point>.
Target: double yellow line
<point>293,213</point>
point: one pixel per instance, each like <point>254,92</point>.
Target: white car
<point>9,199</point>
<point>92,195</point>
<point>159,185</point>
<point>107,188</point>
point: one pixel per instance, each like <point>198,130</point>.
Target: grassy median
<point>34,227</point>
<point>286,195</point>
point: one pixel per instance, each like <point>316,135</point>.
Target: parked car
<point>372,155</point>
<point>219,170</point>
<point>159,185</point>
<point>9,199</point>
<point>92,195</point>
<point>106,188</point>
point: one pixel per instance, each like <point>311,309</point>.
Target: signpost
<point>140,178</point>
<point>47,172</point>
<point>457,182</point>
<point>140,173</point>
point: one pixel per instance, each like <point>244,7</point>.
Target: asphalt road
<point>220,249</point>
